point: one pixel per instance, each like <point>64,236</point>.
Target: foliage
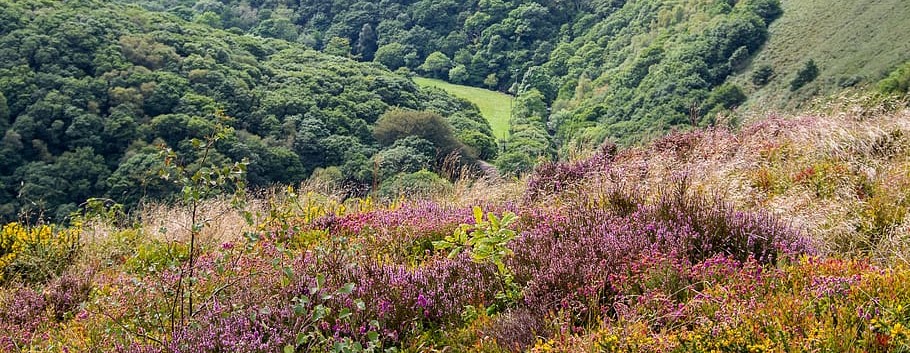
<point>762,75</point>
<point>398,124</point>
<point>414,185</point>
<point>549,46</point>
<point>89,88</point>
<point>806,74</point>
<point>666,247</point>
<point>436,65</point>
<point>897,82</point>
<point>488,242</point>
<point>392,55</point>
<point>528,139</point>
<point>36,253</point>
<point>206,181</point>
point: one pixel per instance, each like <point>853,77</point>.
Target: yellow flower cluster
<point>16,238</point>
<point>296,209</point>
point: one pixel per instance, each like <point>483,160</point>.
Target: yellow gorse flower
<point>16,238</point>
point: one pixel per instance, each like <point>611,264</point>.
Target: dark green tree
<point>366,43</point>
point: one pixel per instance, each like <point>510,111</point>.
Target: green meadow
<point>495,106</point>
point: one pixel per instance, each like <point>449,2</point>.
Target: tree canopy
<point>90,91</point>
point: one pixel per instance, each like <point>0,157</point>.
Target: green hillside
<point>95,97</point>
<point>621,70</point>
<point>853,42</point>
<point>495,106</point>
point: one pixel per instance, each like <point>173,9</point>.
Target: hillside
<point>789,235</point>
<point>625,71</point>
<point>97,96</point>
<point>854,43</point>
<point>494,106</point>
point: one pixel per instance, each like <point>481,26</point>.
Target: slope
<point>853,42</point>
<point>495,106</point>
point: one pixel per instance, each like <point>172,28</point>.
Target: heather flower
<point>22,312</point>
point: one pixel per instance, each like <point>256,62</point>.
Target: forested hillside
<point>91,93</point>
<point>622,70</point>
<point>586,70</point>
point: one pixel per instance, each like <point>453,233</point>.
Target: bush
<point>551,178</point>
<point>898,82</point>
<point>805,75</point>
<point>575,259</point>
<point>66,293</point>
<point>156,256</point>
<point>22,312</point>
<point>397,124</point>
<point>514,163</point>
<point>762,75</point>
<point>35,254</point>
<point>408,155</point>
<point>421,184</point>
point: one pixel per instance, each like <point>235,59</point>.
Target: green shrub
<point>805,75</point>
<point>898,82</point>
<point>36,253</point>
<point>157,255</point>
<point>762,75</point>
<point>420,184</point>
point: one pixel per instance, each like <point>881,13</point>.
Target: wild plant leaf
<point>478,215</point>
<point>454,253</point>
<point>302,338</point>
<point>442,244</point>
<point>344,313</point>
<point>347,288</point>
<point>494,221</point>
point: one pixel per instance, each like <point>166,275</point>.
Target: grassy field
<point>853,42</point>
<point>495,106</point>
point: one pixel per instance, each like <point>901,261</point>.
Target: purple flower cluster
<point>64,294</point>
<point>21,313</point>
<point>552,177</point>
<point>577,258</point>
<point>832,286</point>
<point>433,294</point>
<point>265,328</point>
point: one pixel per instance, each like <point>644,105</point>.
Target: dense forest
<point>92,93</point>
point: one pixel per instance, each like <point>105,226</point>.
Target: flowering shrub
<point>36,253</point>
<point>552,178</point>
<point>22,312</point>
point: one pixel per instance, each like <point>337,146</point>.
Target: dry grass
<point>841,173</point>
<point>834,172</point>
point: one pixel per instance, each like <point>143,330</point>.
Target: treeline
<point>91,92</point>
